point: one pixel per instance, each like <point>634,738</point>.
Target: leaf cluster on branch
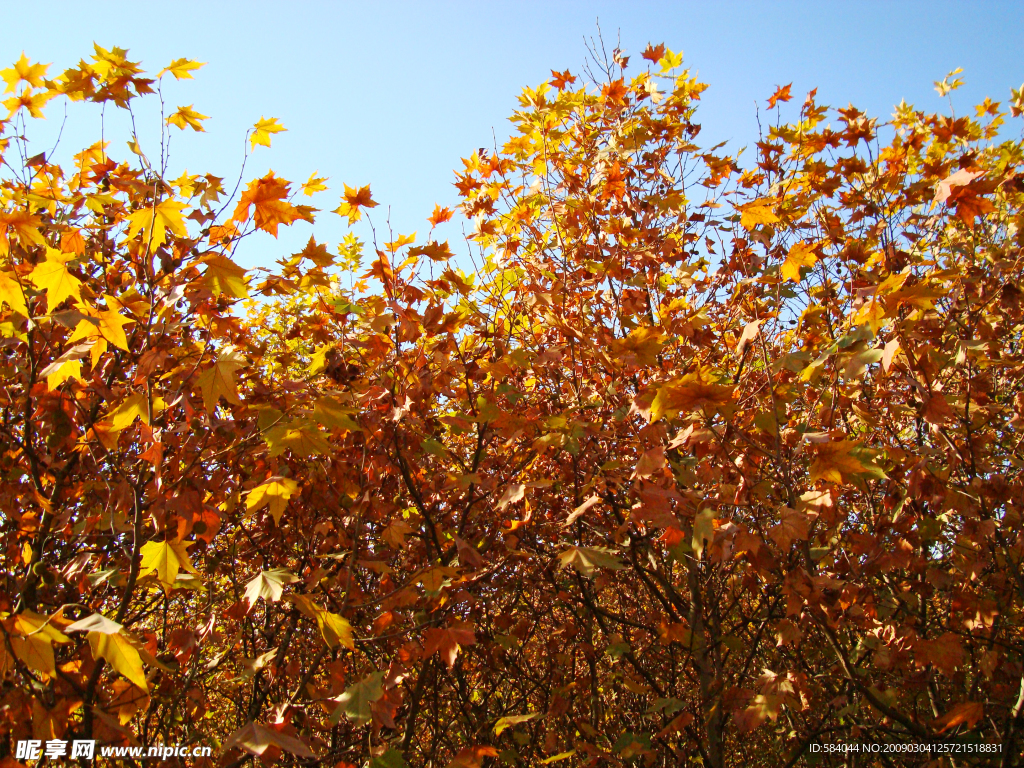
<point>699,461</point>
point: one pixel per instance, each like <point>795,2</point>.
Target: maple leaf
<point>433,250</point>
<point>103,324</point>
<point>396,533</point>
<point>755,213</point>
<point>793,525</point>
<point>133,407</point>
<point>335,629</point>
<point>965,713</point>
<point>269,585</point>
<point>670,61</point>
<point>302,438</point>
<point>781,94</point>
<point>509,720</point>
<point>263,130</point>
<point>440,215</point>
<point>33,103</point>
<point>71,241</point>
<point>839,461</point>
<point>182,69</point>
<point>800,255</point>
<point>223,276</point>
<point>154,222</point>
<point>447,641</point>
<point>53,276</point>
<point>353,201</point>
<point>166,559</point>
<point>267,196</point>
<point>472,757</point>
<point>961,178</point>
<point>95,622</point>
<point>651,462</point>
<point>187,117</point>
<point>314,184</point>
<point>218,380</point>
<point>24,224</point>
<point>24,71</point>
<point>273,494</point>
<point>256,739</point>
<point>562,79</point>
<point>402,240</point>
<point>513,493</point>
<point>587,559</point>
<point>640,347</point>
<point>654,53</point>
<point>687,394</point>
<point>119,652</point>
<point>12,294</point>
<point>355,703</point>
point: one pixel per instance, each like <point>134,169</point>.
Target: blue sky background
<point>393,94</point>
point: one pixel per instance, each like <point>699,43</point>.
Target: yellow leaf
<point>24,71</point>
<point>25,225</point>
<point>131,408</point>
<point>154,222</point>
<point>224,276</point>
<point>107,324</point>
<point>263,129</point>
<point>353,201</point>
<point>69,369</point>
<point>640,347</point>
<point>165,558</point>
<point>187,117</point>
<point>335,629</point>
<point>692,391</point>
<point>757,212</point>
<point>558,757</point>
<point>670,61</point>
<point>334,415</point>
<point>31,623</point>
<point>837,462</point>
<point>314,185</point>
<point>800,255</point>
<point>301,437</point>
<point>274,495</point>
<point>394,245</point>
<point>182,68</point>
<point>36,651</point>
<point>118,651</point>
<point>510,720</point>
<point>53,276</point>
<point>32,641</point>
<point>218,380</point>
<point>12,295</point>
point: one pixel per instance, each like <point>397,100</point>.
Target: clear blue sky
<point>393,94</point>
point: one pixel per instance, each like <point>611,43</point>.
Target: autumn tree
<point>683,460</point>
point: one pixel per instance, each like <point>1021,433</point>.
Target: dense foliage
<point>698,461</point>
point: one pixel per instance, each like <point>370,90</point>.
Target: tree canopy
<point>684,458</point>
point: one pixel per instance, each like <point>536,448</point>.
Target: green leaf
<point>390,759</point>
<point>355,702</point>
